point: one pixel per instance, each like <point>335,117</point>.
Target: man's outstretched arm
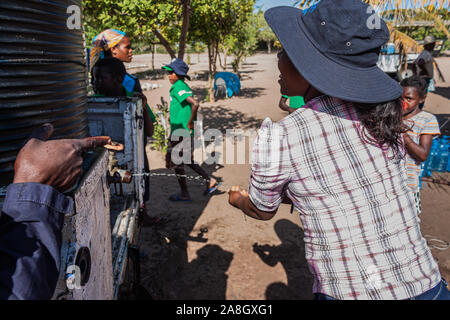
<point>33,213</point>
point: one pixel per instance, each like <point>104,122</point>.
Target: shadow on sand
<point>444,92</point>
<point>222,118</point>
<point>444,123</point>
<point>291,254</point>
<point>166,271</point>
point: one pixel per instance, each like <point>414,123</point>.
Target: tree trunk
<point>269,47</point>
<point>165,43</point>
<point>185,27</point>
<point>153,55</point>
<point>225,54</point>
<point>216,52</point>
<point>223,66</point>
<point>212,55</point>
<point>237,63</point>
<point>210,91</point>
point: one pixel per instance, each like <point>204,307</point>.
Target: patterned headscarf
<point>104,42</point>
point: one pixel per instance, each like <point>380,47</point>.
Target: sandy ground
<point>208,250</point>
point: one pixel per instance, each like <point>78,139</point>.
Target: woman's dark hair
<point>383,125</point>
<point>416,82</point>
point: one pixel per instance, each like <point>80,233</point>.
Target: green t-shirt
<point>180,109</point>
<point>295,102</point>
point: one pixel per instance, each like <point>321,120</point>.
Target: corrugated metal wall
<point>42,74</point>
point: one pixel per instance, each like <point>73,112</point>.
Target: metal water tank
<point>42,73</point>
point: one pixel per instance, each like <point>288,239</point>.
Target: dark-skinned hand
<point>57,163</point>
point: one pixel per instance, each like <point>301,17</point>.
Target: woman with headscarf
<point>340,159</point>
<point>116,44</point>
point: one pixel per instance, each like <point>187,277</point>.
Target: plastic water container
<point>443,156</point>
<point>438,158</point>
<point>448,165</point>
<point>433,155</point>
<point>390,48</point>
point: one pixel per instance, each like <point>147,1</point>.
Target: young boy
<point>423,128</point>
<point>183,113</point>
<point>108,81</point>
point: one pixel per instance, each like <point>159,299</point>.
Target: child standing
<point>183,113</point>
<point>423,128</point>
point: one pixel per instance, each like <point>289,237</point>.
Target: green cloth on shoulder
<point>180,109</point>
<point>296,102</point>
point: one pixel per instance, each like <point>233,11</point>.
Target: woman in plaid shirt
<point>340,159</point>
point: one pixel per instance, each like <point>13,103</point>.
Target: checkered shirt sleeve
<point>270,170</point>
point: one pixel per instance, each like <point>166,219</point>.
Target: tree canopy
<point>156,20</point>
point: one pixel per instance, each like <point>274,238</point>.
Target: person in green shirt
<point>183,114</point>
<point>294,103</point>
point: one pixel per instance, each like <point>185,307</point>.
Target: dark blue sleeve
<point>30,240</point>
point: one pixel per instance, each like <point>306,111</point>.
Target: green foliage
<point>196,47</point>
<point>207,97</point>
<point>212,21</point>
<point>242,41</point>
<point>419,33</point>
<point>160,142</point>
<point>264,32</point>
<point>161,50</point>
<point>138,18</point>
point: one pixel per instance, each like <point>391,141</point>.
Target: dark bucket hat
<point>179,67</point>
<point>335,47</point>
